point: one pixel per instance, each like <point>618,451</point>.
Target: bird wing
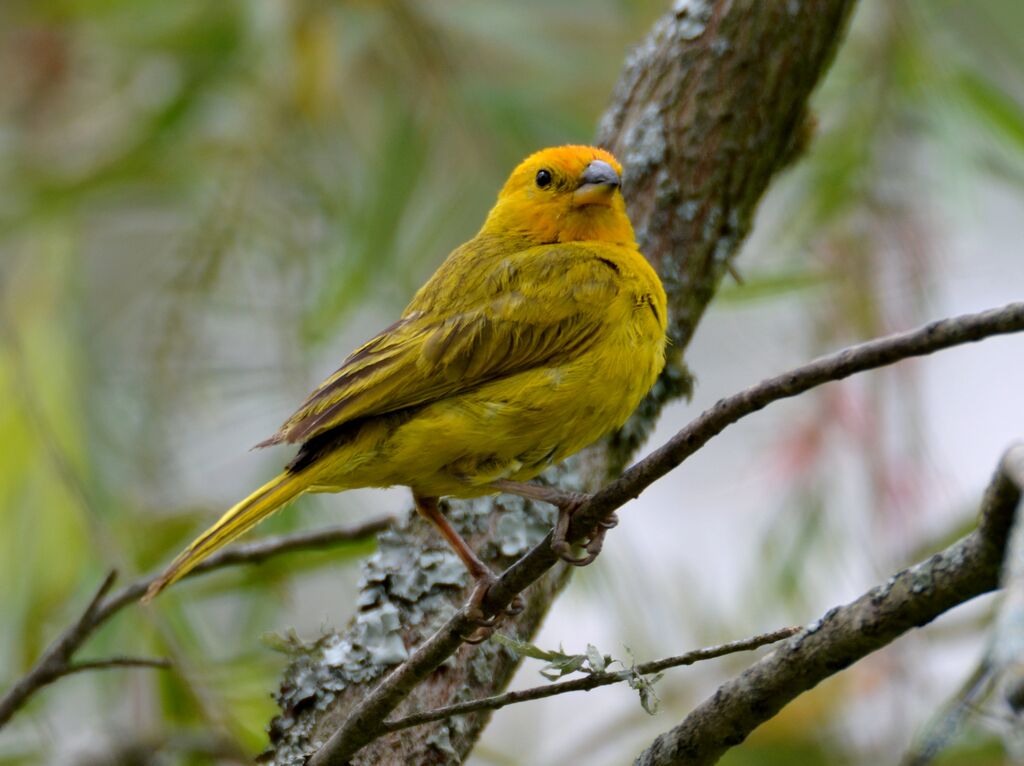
<point>479,318</point>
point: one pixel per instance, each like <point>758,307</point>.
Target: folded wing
<point>547,306</point>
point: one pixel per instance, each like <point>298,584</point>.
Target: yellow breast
<point>517,425</point>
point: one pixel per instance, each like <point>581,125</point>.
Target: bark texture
<point>709,107</point>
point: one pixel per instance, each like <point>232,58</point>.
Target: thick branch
<point>365,722</point>
<point>909,599</point>
<point>56,662</point>
<point>590,681</point>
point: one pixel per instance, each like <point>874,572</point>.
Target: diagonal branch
<point>365,722</point>
<point>110,663</point>
<point>935,336</point>
<point>590,681</point>
<point>845,634</point>
<point>56,662</point>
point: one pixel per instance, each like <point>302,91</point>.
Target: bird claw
<point>484,626</point>
<point>564,551</point>
<point>567,504</point>
<point>563,548</point>
<point>516,606</point>
<point>480,634</point>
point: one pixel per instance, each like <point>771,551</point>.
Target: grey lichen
<point>405,591</point>
<point>481,668</point>
<point>692,18</point>
<point>720,46</point>
<point>647,143</point>
<point>519,527</point>
<point>687,21</point>
<point>881,593</point>
<point>396,592</point>
<point>687,210</point>
<point>442,740</point>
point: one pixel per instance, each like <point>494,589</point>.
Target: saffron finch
<point>531,341</point>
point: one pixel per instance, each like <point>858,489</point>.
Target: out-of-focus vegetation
<point>204,205</point>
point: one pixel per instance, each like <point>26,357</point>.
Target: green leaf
<point>563,666</point>
<point>645,687</point>
<point>559,663</point>
<point>526,649</point>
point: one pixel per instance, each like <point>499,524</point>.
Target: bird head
<point>563,194</point>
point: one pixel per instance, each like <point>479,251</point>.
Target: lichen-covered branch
<point>58,659</point>
<point>845,634</point>
<point>709,107</point>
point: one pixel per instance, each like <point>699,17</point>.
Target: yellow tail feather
<point>269,498</point>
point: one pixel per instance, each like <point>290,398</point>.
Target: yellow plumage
<point>531,341</point>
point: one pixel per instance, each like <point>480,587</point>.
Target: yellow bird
<point>532,340</point>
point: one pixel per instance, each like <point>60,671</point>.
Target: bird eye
<point>543,178</point>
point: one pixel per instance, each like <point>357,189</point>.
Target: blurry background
<point>205,206</point>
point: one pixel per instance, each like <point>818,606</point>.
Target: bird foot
<point>564,549</point>
<point>484,625</point>
<point>567,503</point>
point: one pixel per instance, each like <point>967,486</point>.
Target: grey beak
<point>599,172</point>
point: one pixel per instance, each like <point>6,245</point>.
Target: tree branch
<point>588,682</point>
<point>909,599</point>
<point>366,720</point>
<point>56,661</point>
<point>110,663</point>
<point>258,551</point>
<point>933,337</point>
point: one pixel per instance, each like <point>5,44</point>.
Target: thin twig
<point>117,662</point>
<point>318,539</point>
<point>588,682</point>
<point>940,732</point>
<point>364,723</point>
<point>56,661</point>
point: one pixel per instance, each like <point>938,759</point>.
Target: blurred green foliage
<point>200,203</point>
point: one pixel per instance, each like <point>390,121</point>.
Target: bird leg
<point>482,575</point>
<point>567,504</point>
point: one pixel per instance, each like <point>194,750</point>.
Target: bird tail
<point>269,498</point>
